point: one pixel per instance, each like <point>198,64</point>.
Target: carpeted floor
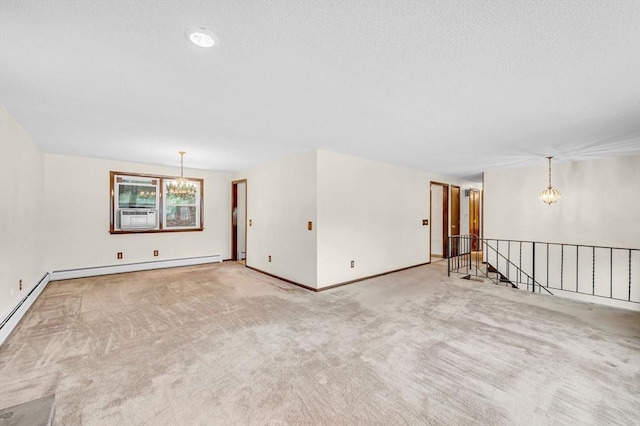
<point>223,345</point>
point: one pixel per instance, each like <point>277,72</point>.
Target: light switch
<point>310,225</point>
<point>425,222</point>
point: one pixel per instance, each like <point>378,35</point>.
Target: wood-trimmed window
<point>142,203</point>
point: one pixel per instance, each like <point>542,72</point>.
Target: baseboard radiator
<point>13,318</point>
<point>67,274</point>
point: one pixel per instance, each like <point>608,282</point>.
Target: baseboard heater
<point>11,320</point>
<point>132,267</point>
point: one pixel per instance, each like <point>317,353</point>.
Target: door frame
<point>455,248</point>
<point>445,218</point>
<point>476,194</point>
<point>234,229</point>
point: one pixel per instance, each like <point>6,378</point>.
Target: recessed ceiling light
<point>201,37</point>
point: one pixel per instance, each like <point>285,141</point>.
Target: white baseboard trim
<point>15,315</point>
<point>132,267</point>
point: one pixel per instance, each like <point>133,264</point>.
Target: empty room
<point>319,212</point>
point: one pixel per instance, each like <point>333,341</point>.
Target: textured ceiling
<point>453,87</point>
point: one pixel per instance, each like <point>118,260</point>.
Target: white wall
<point>76,216</point>
<point>600,206</point>
<point>21,211</point>
<point>371,213</point>
<point>362,210</point>
<point>600,203</point>
<point>281,200</point>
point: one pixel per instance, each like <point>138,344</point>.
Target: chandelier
<point>550,195</point>
<point>181,187</point>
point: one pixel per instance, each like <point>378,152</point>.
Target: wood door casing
<point>455,217</point>
<point>474,217</point>
<point>445,217</point>
<point>234,219</point>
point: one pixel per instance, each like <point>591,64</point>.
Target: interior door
<point>439,219</point>
<point>239,220</point>
<point>474,218</point>
<point>234,221</point>
<point>455,219</point>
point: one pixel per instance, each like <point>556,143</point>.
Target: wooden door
<point>234,221</point>
<point>440,220</point>
<point>239,213</point>
<point>474,218</point>
<point>455,219</point>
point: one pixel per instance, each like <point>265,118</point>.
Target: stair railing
<point>483,263</point>
<point>609,272</point>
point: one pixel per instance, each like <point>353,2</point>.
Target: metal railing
<point>609,272</point>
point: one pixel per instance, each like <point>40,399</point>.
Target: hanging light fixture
<point>181,187</point>
<point>550,195</point>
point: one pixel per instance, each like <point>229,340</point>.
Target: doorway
<point>239,221</point>
<point>439,219</point>
<point>474,218</point>
<point>455,220</point>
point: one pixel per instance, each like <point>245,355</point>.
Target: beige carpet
<point>223,345</point>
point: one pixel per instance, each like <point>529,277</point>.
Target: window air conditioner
<point>138,219</point>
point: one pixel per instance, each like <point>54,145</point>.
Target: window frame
<point>114,208</point>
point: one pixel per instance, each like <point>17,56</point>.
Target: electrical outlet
<point>155,252</point>
<point>353,263</point>
<point>119,255</point>
<point>269,258</point>
<point>20,285</point>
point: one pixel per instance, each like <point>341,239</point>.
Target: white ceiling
<point>453,87</point>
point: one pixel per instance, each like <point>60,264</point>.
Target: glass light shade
<point>550,195</point>
<point>201,37</point>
